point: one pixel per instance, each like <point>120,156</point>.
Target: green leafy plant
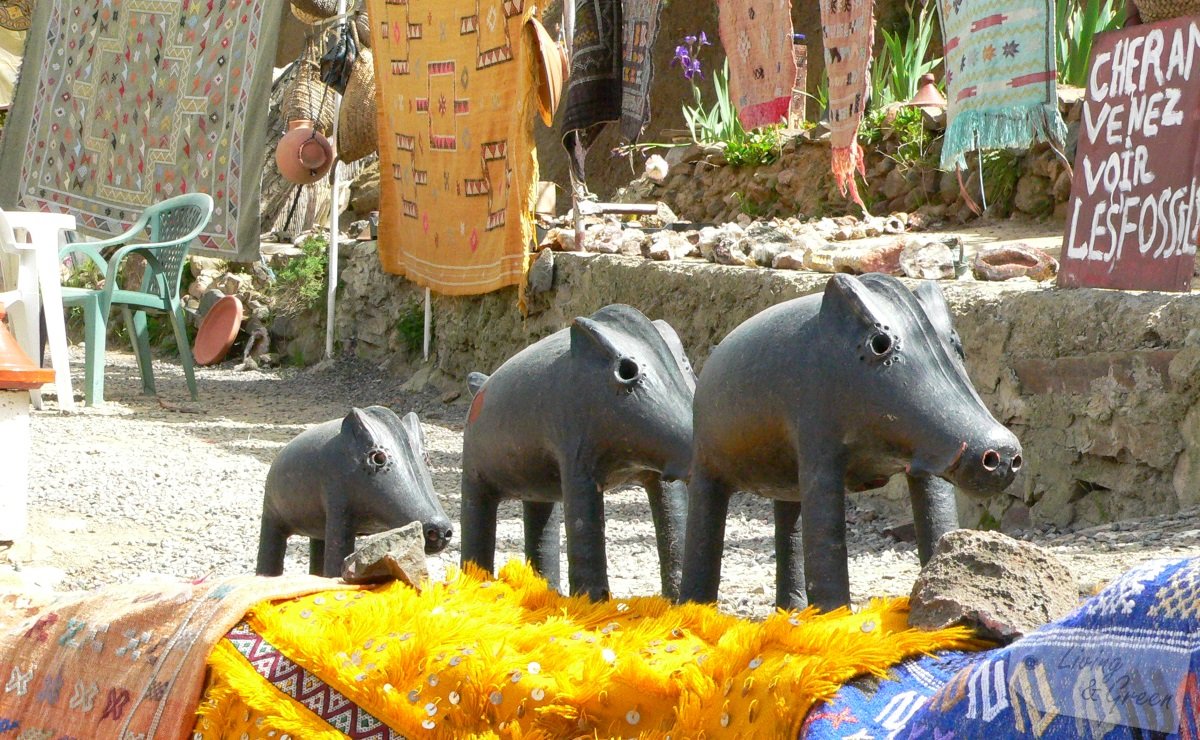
<point>1076,23</point>
<point>300,283</point>
<point>1001,171</point>
<point>914,143</point>
<point>904,57</point>
<point>753,148</point>
<point>411,327</point>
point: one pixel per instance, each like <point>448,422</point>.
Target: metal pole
<point>331,287</point>
<point>428,324</point>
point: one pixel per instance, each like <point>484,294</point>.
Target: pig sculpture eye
<point>378,460</point>
<point>881,347</point>
<point>628,371</point>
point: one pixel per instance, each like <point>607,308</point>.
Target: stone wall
<point>1100,386</point>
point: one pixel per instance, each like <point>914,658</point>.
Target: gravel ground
<point>142,487</point>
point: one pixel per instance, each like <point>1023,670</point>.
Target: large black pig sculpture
<point>831,392</point>
<point>605,402</point>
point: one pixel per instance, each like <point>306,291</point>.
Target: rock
<point>906,532</point>
<point>395,554</point>
<point>1034,195</point>
<point>364,190</point>
<point>1001,587</point>
<point>667,245</point>
<point>207,300</point>
<point>1009,261</point>
<point>606,239</point>
<point>927,259</point>
<point>541,272</point>
<point>633,242</point>
<point>881,256</point>
<point>657,168</point>
<point>562,240</point>
<point>722,237</point>
<point>198,265</point>
<point>793,260</point>
<point>451,396</point>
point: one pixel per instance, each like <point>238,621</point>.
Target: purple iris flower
<point>704,39</point>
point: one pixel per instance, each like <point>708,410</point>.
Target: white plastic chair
<point>28,276</point>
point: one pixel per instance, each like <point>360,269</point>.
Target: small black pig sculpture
<point>364,474</point>
<point>831,392</point>
<point>605,402</point>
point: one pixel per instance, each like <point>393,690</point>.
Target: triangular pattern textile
<point>757,36</point>
<point>122,104</point>
<point>1000,77</point>
<point>457,89</point>
<point>848,30</point>
<point>477,657</point>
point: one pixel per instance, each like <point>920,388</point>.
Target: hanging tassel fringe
<point>846,161</point>
<point>1010,128</point>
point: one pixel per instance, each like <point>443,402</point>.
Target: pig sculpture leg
<point>668,507</point>
<point>542,548</point>
<point>316,557</point>
<point>704,538</point>
<point>338,544</point>
<point>935,511</point>
<point>479,504</point>
<point>272,543</point>
<point>583,513</point>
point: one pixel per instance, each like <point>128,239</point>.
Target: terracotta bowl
<point>217,331</point>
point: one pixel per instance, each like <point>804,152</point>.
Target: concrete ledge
<point>1099,385</point>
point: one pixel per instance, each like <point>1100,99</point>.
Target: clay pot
<point>17,371</point>
<point>303,154</point>
<point>1012,261</point>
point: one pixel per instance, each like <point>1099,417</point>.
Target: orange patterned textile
<point>457,85</point>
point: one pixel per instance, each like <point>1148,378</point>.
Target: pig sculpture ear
<point>412,425</point>
<point>587,335</point>
<point>845,295</point>
<point>933,301</point>
<point>475,381</point>
<point>359,425</point>
<point>675,344</point>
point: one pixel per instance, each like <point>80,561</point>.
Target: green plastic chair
<point>173,224</point>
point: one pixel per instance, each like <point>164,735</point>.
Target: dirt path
<point>137,488</point>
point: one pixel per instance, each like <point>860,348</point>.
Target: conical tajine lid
<point>17,371</point>
<point>928,96</point>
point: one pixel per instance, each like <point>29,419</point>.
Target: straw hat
<point>553,69</point>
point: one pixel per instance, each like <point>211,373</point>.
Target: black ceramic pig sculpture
<point>605,402</point>
<point>364,474</point>
<point>832,392</point>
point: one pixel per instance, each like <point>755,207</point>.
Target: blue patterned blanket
<point>1123,665</point>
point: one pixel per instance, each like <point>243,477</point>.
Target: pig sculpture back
<point>832,392</point>
<point>603,403</point>
<point>364,474</point>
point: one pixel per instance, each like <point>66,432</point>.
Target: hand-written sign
<point>1135,199</point>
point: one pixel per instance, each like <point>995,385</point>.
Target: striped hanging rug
<point>1000,77</point>
<point>849,27</point>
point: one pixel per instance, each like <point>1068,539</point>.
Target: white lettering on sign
<point>1164,224</point>
<point>1135,96</point>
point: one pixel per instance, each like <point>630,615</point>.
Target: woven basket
<point>358,127</point>
<point>307,98</point>
<point>293,36</point>
<point>317,9</point>
<point>1152,11</point>
<point>362,26</point>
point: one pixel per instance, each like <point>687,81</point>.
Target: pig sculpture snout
<point>987,465</point>
<point>437,535</point>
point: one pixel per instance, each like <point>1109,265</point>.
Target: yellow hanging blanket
<point>457,85</point>
<point>476,657</point>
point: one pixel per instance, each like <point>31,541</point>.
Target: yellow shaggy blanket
<point>509,658</point>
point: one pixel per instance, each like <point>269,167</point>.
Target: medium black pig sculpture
<point>832,392</point>
<point>605,402</point>
<point>363,474</point>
